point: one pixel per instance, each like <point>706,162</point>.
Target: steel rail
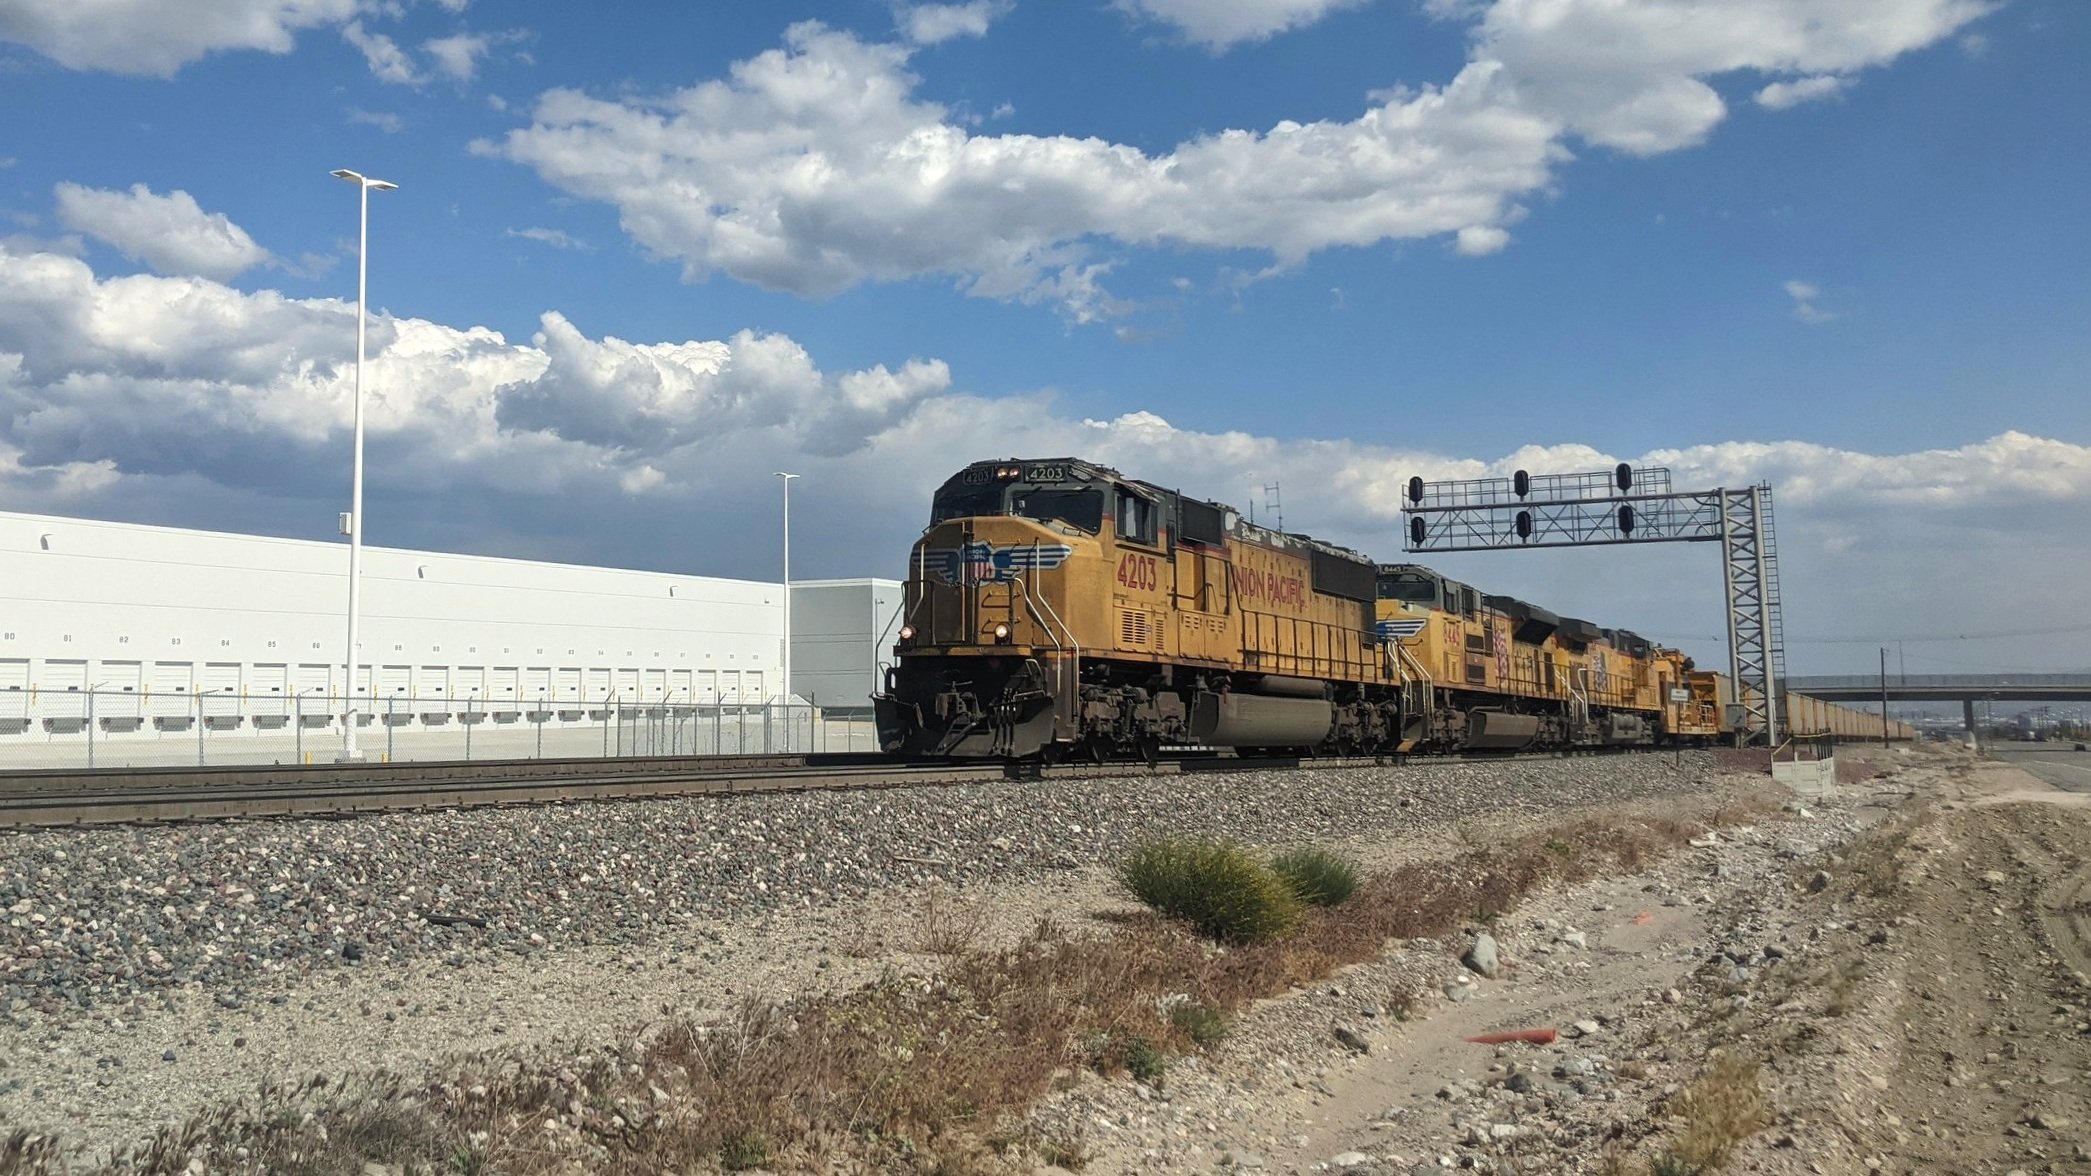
<point>158,796</point>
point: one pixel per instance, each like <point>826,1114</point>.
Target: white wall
<point>842,634</point>
<point>159,614</point>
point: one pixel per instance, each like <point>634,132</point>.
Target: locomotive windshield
<point>965,502</point>
<point>1082,509</point>
<point>1414,587</point>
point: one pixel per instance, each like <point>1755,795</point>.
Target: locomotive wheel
<point>1151,749</point>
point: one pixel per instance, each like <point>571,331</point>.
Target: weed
<point>950,925</point>
<point>1670,1163</point>
<point>1201,1023</point>
<point>744,1150</point>
<point>1318,877</point>
<point>1559,848</point>
<point>1842,985</point>
<point>1064,1151</point>
<point>1721,1108</point>
<point>1217,887</point>
<point>1144,1062</point>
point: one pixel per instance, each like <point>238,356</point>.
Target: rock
<point>1574,938</point>
<point>1820,882</point>
<point>1353,1040</point>
<point>1586,1029</point>
<point>1349,1159</point>
<point>1244,1159</point>
<point>1483,957</point>
<point>167,1055</point>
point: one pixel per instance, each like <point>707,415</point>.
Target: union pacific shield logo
<point>1401,629</point>
<point>984,563</point>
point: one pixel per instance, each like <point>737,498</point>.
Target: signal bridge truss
<point>1629,505</point>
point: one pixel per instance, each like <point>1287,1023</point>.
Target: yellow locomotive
<point>1057,606</point>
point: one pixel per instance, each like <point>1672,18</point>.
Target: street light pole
<point>353,521</point>
<point>787,479</point>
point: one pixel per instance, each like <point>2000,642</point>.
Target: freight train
<point>1057,607</point>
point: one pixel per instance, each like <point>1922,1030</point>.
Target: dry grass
<point>1721,1108</point>
<point>950,924</point>
<point>910,1073</point>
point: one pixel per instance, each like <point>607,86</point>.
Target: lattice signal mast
<point>1629,505</point>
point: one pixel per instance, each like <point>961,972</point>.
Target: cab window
<point>1413,587</point>
<point>965,502</point>
<point>1135,518</point>
<point>1081,509</point>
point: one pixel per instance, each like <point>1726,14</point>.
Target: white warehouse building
<point>136,635</point>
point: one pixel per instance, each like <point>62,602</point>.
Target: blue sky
<point>643,254</point>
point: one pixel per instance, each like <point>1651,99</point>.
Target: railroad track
<point>152,795</point>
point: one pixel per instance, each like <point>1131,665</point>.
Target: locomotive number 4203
<point>1139,572</point>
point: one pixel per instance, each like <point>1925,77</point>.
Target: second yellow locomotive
<point>1056,606</point>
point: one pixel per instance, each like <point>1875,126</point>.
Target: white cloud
<point>183,401</point>
<point>1222,24</point>
<point>385,121</point>
<point>1784,95</point>
<point>155,38</point>
<point>556,238</point>
<point>1807,302</point>
<point>170,233</point>
<point>457,56</point>
<point>387,61</point>
<point>930,24</point>
<point>1481,240</point>
<point>816,166</point>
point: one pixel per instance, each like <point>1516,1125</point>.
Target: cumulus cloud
<point>184,401</point>
<point>930,24</point>
<point>816,166</point>
<point>1782,95</point>
<point>154,38</point>
<point>1222,24</point>
<point>170,233</point>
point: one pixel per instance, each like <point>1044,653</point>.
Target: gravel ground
<point>103,917</point>
<point>146,974</point>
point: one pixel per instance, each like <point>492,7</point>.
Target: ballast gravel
<point>93,917</point>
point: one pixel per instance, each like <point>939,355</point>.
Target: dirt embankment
<point>1896,978</point>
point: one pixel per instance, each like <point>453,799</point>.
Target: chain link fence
<point>105,729</point>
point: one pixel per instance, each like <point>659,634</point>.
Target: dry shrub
<point>1720,1109</point>
<point>949,924</point>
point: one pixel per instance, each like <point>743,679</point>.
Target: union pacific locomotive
<point>1057,607</point>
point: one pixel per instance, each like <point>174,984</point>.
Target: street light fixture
<point>787,480</point>
<point>352,522</point>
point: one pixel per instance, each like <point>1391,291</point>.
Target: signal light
<point>1521,482</point>
<point>1416,531</point>
<point>1626,519</point>
<point>1524,523</point>
<point>1624,475</point>
<point>1002,633</point>
<point>1008,473</point>
<point>1416,491</point>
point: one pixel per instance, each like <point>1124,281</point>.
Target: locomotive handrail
<point>1073,648</point>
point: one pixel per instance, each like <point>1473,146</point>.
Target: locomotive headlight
<point>1001,632</point>
<point>907,632</point>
